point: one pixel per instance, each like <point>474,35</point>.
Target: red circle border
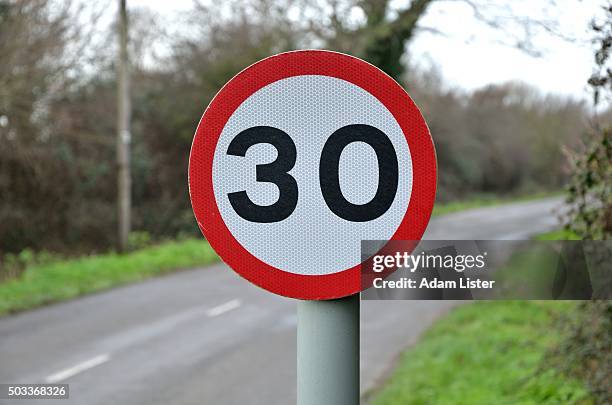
<point>261,74</point>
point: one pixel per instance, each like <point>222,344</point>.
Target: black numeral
<point>275,172</point>
<point>329,173</point>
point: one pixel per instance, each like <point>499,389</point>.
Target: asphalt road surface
<point>206,336</point>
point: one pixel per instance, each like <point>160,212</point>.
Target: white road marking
<point>223,308</point>
<point>103,358</point>
<point>79,368</point>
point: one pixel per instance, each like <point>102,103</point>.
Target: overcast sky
<point>469,54</point>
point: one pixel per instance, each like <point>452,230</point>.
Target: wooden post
<point>123,133</point>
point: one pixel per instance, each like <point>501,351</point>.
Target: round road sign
<point>301,156</point>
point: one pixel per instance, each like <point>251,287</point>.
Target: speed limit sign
<point>299,158</point>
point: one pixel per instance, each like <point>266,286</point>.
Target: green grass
<point>560,234</point>
<point>61,280</point>
<point>485,201</point>
<point>485,353</point>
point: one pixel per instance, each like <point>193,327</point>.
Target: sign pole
<point>328,352</point>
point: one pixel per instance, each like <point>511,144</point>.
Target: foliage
<point>12,265</point>
<point>501,139</point>
<point>138,240</point>
<point>46,171</point>
<point>59,280</point>
<point>587,351</point>
<point>485,353</point>
<point>57,120</point>
<point>385,41</point>
<point>590,188</point>
<point>601,80</point>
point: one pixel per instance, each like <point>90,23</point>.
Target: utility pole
<point>123,133</point>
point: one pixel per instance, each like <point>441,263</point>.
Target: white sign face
<point>309,109</point>
<point>298,159</point>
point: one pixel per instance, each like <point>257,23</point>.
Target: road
<point>206,336</point>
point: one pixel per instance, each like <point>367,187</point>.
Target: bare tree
<point>380,37</point>
<point>41,44</point>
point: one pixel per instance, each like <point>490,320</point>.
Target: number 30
<point>277,172</point>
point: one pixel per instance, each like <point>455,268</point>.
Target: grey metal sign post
<point>328,352</point>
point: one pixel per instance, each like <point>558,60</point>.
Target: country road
<point>206,336</point>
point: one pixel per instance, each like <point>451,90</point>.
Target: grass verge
<point>560,234</point>
<point>486,353</point>
<point>61,280</point>
<point>486,201</point>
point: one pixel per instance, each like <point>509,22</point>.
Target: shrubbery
<point>57,123</point>
<point>587,352</point>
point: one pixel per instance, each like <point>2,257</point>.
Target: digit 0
<point>329,173</point>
